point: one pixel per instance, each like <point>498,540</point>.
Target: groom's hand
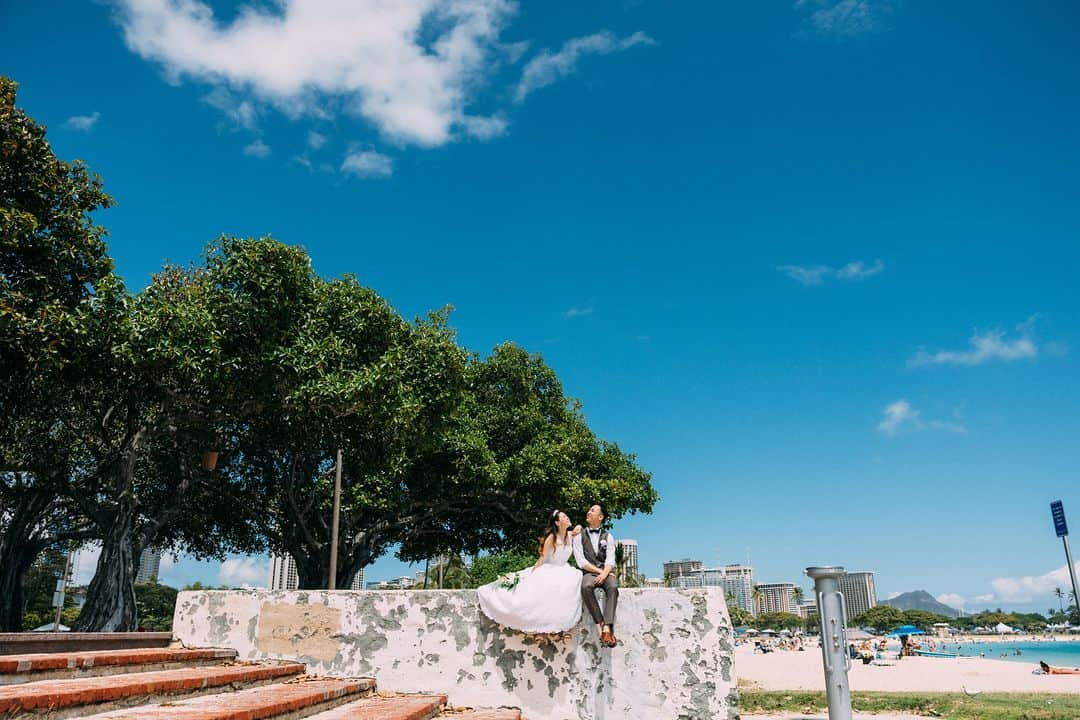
<point>602,577</point>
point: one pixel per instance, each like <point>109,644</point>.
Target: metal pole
<point>61,589</point>
<point>832,613</point>
<point>1072,572</point>
<point>334,524</point>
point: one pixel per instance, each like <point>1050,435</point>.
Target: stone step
<point>291,700</point>
<point>387,707</point>
<point>81,696</point>
<point>48,666</point>
<point>50,642</point>
<point>481,714</point>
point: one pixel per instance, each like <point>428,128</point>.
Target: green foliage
<point>881,618</point>
<point>922,619</point>
<point>778,621</point>
<point>740,617</point>
<point>39,584</point>
<point>156,604</point>
<point>53,262</point>
<point>487,568</point>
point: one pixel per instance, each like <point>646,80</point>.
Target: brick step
<point>481,714</point>
<point>48,666</point>
<point>81,696</point>
<point>290,700</point>
<point>387,707</point>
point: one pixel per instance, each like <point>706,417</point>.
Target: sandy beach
<point>803,671</point>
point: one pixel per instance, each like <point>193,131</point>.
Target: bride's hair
<point>552,529</point>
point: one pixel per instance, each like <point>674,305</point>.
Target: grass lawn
<point>956,706</point>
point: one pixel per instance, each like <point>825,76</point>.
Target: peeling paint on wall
<point>674,659</point>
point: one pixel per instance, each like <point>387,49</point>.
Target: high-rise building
<point>777,597</point>
<point>629,557</point>
<point>737,581</point>
<point>808,607</point>
<point>149,565</point>
<point>283,575</point>
<point>859,592</point>
<point>678,568</point>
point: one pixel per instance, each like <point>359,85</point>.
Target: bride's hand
<point>576,531</point>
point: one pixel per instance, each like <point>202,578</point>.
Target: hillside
<point>921,600</point>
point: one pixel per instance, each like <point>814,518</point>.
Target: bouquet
<point>509,581</point>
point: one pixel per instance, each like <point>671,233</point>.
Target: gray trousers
<point>611,598</point>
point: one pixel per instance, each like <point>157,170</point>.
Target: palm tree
<point>1060,595</point>
<point>759,598</point>
<point>453,573</point>
<point>799,595</point>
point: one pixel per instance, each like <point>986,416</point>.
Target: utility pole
<point>334,524</point>
<point>61,590</point>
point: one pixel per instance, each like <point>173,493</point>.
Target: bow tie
<point>594,530</point>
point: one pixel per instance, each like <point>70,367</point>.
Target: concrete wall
<point>674,659</point>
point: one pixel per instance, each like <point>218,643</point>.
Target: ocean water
<point>1053,653</point>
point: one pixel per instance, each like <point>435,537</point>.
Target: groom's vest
<point>591,555</point>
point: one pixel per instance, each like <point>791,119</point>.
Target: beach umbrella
<point>906,630</point>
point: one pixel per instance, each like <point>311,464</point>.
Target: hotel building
<point>283,575</point>
<point>859,592</point>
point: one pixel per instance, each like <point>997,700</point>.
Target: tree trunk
<point>18,550</point>
<point>14,562</point>
<point>110,599</point>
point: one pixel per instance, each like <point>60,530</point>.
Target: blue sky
<point>814,262</point>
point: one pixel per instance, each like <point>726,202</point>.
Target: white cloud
<point>859,271</point>
<point>987,346</point>
<point>485,128</point>
<point>817,274</point>
<point>892,595</point>
<point>900,416</point>
<point>241,112</point>
<point>367,163</point>
<point>84,123</point>
<point>989,597</point>
<point>847,17</point>
<point>897,415</point>
<point>315,140</point>
<point>952,600</point>
<point>244,572</point>
<point>257,149</point>
<point>547,67</point>
<point>1032,587</point>
<point>578,311</point>
<point>409,67</point>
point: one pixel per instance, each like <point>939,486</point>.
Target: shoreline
<point>793,670</point>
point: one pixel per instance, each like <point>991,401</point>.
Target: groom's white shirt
<point>594,538</point>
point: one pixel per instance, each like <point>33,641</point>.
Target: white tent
<point>1002,628</point>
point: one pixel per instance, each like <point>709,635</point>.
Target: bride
<point>545,598</point>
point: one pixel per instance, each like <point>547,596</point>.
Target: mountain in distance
<point>921,600</point>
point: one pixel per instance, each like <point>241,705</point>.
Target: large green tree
<point>53,261</point>
<point>880,618</point>
<point>147,410</point>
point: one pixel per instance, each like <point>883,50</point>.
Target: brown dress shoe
<point>606,638</point>
<point>614,640</point>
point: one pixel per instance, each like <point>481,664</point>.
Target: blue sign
<point>1057,510</point>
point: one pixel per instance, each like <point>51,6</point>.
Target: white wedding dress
<point>545,600</point>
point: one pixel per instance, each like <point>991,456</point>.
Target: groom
<point>594,551</point>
